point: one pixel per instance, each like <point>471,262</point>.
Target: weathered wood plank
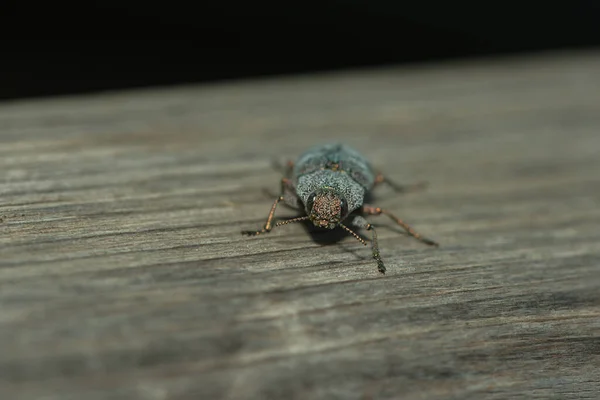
<point>123,273</point>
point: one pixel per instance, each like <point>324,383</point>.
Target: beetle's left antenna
<point>287,221</point>
<point>354,234</point>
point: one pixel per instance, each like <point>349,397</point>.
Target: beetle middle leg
<point>415,187</point>
<point>288,195</point>
<point>286,169</point>
<point>378,211</point>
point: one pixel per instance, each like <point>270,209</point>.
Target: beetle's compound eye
<point>311,202</point>
<point>343,208</point>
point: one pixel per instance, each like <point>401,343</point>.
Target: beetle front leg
<point>288,195</point>
<point>360,222</point>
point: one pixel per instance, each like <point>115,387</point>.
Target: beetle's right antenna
<point>265,230</point>
<point>290,221</point>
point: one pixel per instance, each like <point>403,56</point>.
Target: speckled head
<point>326,208</point>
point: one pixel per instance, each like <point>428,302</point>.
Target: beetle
<point>329,183</point>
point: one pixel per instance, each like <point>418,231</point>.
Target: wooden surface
<point>123,273</point>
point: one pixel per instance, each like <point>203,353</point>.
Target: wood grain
<point>123,273</point>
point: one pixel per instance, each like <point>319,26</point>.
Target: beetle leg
<point>414,187</point>
<point>378,211</point>
<point>288,192</point>
<point>289,168</point>
<point>362,223</point>
<point>286,169</point>
<point>287,195</point>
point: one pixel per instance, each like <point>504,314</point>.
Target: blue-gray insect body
<point>329,183</point>
<point>337,167</point>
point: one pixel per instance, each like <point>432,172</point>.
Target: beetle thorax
<point>342,185</point>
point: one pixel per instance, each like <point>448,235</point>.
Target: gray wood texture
<point>123,273</point>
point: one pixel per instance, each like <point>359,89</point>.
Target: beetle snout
<point>322,223</point>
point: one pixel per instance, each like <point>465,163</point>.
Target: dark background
<point>88,46</point>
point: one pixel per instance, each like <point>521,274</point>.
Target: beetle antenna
<point>290,221</point>
<point>353,234</point>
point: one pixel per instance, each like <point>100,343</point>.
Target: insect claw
<point>430,242</point>
<point>252,233</point>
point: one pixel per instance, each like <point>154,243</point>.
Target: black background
<point>50,49</point>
